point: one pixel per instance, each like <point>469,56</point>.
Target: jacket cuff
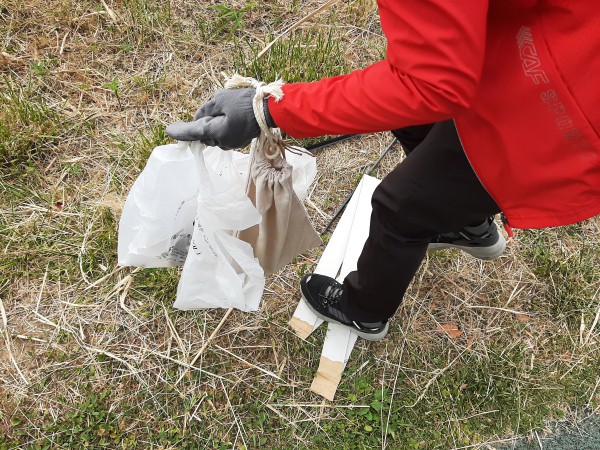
<point>268,118</point>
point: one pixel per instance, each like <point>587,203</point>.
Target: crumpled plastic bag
<point>304,167</point>
<point>157,220</point>
<point>156,224</point>
<point>303,173</point>
<point>220,270</point>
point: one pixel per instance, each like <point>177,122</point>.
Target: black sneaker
<point>323,295</point>
<point>483,241</point>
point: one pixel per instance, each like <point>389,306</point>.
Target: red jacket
<point>519,77</point>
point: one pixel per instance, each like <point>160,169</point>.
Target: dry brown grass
<point>80,335</point>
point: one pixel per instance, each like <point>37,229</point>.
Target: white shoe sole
<point>485,253</point>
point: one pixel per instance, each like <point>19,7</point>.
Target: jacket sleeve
<point>433,64</point>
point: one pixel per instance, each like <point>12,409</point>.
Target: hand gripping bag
<point>285,230</point>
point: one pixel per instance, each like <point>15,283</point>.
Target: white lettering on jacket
<point>532,68</point>
<point>529,57</point>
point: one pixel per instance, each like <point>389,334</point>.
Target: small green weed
<point>147,141</point>
<point>114,87</point>
<point>230,19</point>
<point>222,23</point>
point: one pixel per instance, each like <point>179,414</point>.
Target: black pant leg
<point>432,191</point>
<point>411,137</point>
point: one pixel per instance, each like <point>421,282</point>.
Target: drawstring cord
<point>507,227</point>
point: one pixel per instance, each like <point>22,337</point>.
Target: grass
<point>95,350</point>
<point>304,56</point>
<point>29,126</point>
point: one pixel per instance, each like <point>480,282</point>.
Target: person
<point>497,102</point>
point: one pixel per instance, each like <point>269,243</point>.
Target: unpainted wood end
<point>301,328</point>
<point>328,378</point>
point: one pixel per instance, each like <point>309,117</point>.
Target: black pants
<point>434,190</point>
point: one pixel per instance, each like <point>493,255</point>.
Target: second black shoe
<point>323,295</point>
<point>482,241</point>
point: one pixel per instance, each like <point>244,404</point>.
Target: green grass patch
<point>304,55</point>
<point>30,128</point>
<point>149,15</point>
<point>566,261</point>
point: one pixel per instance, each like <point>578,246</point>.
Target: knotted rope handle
<point>263,90</point>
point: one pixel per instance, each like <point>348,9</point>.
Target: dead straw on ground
<point>111,75</point>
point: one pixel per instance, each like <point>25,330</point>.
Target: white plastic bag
<point>230,165</point>
<point>305,170</point>
<point>220,270</point>
<point>234,165</point>
<point>157,220</point>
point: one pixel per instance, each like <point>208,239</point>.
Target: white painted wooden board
<point>304,321</point>
<point>360,227</point>
<point>339,258</point>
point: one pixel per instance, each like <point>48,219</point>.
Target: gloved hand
<point>226,121</point>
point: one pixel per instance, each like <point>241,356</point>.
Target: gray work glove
<point>226,121</point>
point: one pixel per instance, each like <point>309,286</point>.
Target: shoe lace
<point>331,294</point>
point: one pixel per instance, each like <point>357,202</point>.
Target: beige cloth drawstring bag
<point>285,230</point>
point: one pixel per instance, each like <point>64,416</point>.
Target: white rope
<point>272,137</point>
